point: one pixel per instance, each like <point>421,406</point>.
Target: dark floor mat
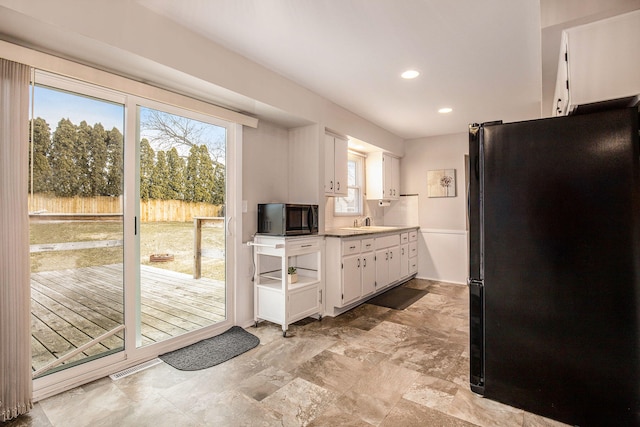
<point>212,351</point>
<point>398,298</point>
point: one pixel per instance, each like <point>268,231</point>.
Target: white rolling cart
<point>276,299</point>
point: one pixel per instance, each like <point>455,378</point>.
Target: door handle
<point>229,233</point>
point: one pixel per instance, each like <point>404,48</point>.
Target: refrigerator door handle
<point>476,335</point>
<point>468,202</point>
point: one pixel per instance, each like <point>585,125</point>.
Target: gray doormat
<point>398,298</point>
<point>212,351</point>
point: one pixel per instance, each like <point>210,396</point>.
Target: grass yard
<point>174,238</point>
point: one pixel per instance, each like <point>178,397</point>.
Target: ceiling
<point>480,58</point>
<point>487,60</point>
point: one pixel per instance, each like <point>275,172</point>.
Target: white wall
<point>443,244</point>
<point>265,178</point>
<point>134,41</point>
<point>265,171</point>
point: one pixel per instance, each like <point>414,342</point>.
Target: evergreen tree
<point>219,186</point>
<point>147,162</point>
<point>82,157</point>
<point>97,161</point>
<point>199,175</point>
<point>115,165</point>
<point>66,173</point>
<point>41,169</point>
<point>160,178</point>
<point>191,175</point>
<point>176,167</point>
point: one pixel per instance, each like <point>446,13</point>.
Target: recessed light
<point>410,74</point>
<point>445,110</point>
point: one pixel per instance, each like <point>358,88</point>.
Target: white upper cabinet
<point>383,177</point>
<point>335,166</point>
<point>598,61</point>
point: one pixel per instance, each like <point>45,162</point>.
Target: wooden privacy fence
<point>44,203</point>
<point>150,210</point>
<point>176,210</point>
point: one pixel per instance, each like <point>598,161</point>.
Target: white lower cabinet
<point>387,259</point>
<point>404,260</point>
<point>413,252</point>
<point>358,267</point>
<point>351,279</point>
<point>382,268</point>
<point>368,273</point>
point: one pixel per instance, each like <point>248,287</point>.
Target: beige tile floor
<point>371,366</point>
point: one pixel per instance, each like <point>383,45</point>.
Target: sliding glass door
<point>76,224</point>
<point>182,223</point>
<point>129,228</point>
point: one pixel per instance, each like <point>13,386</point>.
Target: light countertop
<point>365,230</point>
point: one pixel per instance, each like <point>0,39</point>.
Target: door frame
<point>60,381</point>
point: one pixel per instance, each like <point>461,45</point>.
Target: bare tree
<point>165,130</point>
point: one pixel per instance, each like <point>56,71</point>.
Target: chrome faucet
<point>367,221</point>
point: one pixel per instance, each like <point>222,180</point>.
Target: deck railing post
<point>197,248</point>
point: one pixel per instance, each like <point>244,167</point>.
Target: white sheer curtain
<point>15,289</point>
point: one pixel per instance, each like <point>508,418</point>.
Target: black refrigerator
<point>554,279</point>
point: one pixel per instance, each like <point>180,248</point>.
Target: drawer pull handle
<point>306,246</point>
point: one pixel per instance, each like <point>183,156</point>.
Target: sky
<point>54,105</point>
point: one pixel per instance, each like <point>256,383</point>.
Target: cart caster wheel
<point>255,325</point>
<point>284,334</point>
<point>319,318</point>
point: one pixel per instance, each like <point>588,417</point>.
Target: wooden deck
<point>71,307</point>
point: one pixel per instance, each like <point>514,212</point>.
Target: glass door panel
<point>182,225</point>
<point>76,228</point>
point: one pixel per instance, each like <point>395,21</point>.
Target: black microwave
<point>287,219</point>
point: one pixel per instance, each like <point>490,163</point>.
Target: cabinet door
<point>341,159</point>
<point>368,273</point>
<point>302,303</point>
<point>404,260</point>
<point>375,170</point>
<point>394,264</point>
<point>329,165</point>
<point>387,177</point>
<point>351,282</point>
<point>394,178</point>
<point>382,268</point>
<point>604,59</point>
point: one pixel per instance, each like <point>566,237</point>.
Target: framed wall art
<point>441,183</point>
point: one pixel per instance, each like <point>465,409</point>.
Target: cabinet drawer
<point>367,245</point>
<point>413,265</point>
<point>303,244</point>
<point>404,238</point>
<point>350,247</point>
<point>413,236</point>
<point>387,241</point>
<point>413,249</point>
